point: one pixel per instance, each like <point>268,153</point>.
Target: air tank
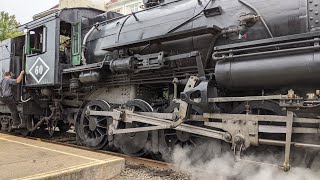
<point>295,70</point>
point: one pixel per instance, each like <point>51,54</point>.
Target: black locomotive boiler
<point>242,72</point>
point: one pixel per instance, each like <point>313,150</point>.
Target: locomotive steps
<point>31,159</point>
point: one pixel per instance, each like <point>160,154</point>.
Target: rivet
<point>315,4</point>
<point>317,21</point>
<point>310,1</point>
<point>311,18</point>
<point>310,10</point>
<point>316,13</point>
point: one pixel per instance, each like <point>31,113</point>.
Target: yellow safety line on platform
<point>65,170</point>
<point>79,156</point>
<point>6,136</point>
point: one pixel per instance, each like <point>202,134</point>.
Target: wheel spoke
<point>96,133</point>
<point>104,127</point>
<point>174,142</point>
<point>102,119</point>
<point>190,140</point>
<point>102,132</point>
<point>86,132</point>
<point>89,135</point>
<point>86,119</point>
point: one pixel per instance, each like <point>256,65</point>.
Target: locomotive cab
<point>11,58</point>
<point>53,43</point>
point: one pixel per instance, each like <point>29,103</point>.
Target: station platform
<point>22,158</point>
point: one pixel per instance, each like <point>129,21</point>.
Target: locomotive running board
<point>86,67</point>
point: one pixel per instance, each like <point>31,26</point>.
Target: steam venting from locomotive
<point>208,162</point>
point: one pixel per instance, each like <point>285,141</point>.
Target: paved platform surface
<point>22,158</point>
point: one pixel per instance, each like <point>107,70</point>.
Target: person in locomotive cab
<point>6,96</point>
<point>67,51</point>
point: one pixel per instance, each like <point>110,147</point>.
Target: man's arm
<point>19,79</point>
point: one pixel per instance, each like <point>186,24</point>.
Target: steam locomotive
<point>242,72</point>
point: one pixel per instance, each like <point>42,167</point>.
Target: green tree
<point>8,26</point>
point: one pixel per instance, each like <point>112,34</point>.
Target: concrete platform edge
<point>93,170</point>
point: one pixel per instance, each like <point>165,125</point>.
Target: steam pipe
<point>83,58</point>
<point>210,49</point>
<point>24,101</point>
<point>266,46</point>
<point>265,53</point>
<point>258,13</point>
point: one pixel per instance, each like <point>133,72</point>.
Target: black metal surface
<point>167,37</point>
<point>313,15</point>
<point>135,144</point>
<point>213,11</point>
<point>270,41</point>
<point>89,77</point>
<point>93,131</point>
<point>281,19</point>
<point>123,65</point>
<point>296,70</point>
<point>200,90</point>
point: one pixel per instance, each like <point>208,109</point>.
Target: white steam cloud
<point>214,161</point>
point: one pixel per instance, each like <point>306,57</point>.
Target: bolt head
<point>237,139</point>
<point>228,137</point>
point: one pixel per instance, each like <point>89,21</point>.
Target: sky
<point>25,9</point>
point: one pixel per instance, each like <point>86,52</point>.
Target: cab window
<point>36,40</point>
